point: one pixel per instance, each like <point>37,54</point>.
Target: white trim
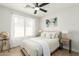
<point>72,49</point>
<point>24,29</point>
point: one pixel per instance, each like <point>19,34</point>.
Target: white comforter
<point>40,46</point>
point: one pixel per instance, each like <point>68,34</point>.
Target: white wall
<point>68,19</point>
<point>5,23</point>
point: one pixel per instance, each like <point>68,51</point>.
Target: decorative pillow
<point>43,34</point>
<point>55,34</point>
<point>49,35</point>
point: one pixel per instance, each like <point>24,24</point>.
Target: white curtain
<point>22,27</point>
<point>18,26</point>
<point>29,27</point>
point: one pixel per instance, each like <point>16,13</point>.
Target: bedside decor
<point>66,41</point>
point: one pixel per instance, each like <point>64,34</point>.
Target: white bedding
<point>44,45</point>
<point>35,49</point>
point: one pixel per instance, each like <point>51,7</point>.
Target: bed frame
<point>25,53</point>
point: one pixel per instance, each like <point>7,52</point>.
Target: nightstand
<point>66,42</point>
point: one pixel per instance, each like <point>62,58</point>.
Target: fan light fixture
<point>36,8</point>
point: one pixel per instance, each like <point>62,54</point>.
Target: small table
<point>65,42</point>
<point>4,43</point>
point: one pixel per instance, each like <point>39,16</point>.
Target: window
<point>18,26</point>
<point>29,27</point>
<point>23,26</point>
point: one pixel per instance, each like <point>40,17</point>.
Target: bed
<point>41,46</point>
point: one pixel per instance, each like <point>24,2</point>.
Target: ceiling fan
<point>37,7</point>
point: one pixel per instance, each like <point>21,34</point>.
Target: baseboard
<point>72,49</point>
<point>75,50</point>
<point>14,47</point>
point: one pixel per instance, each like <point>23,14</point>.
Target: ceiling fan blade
<point>35,11</point>
<point>43,4</point>
<point>28,6</point>
<point>36,5</point>
<point>43,10</point>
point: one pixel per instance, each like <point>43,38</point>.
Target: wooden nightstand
<point>66,42</point>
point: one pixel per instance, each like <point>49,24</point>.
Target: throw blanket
<point>44,45</point>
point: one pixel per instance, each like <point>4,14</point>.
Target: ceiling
<point>52,7</point>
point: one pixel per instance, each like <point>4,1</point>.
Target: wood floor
<point>64,52</point>
<point>17,52</point>
<point>12,52</point>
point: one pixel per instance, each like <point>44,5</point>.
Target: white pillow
<point>49,35</point>
<point>43,34</point>
<point>55,35</point>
